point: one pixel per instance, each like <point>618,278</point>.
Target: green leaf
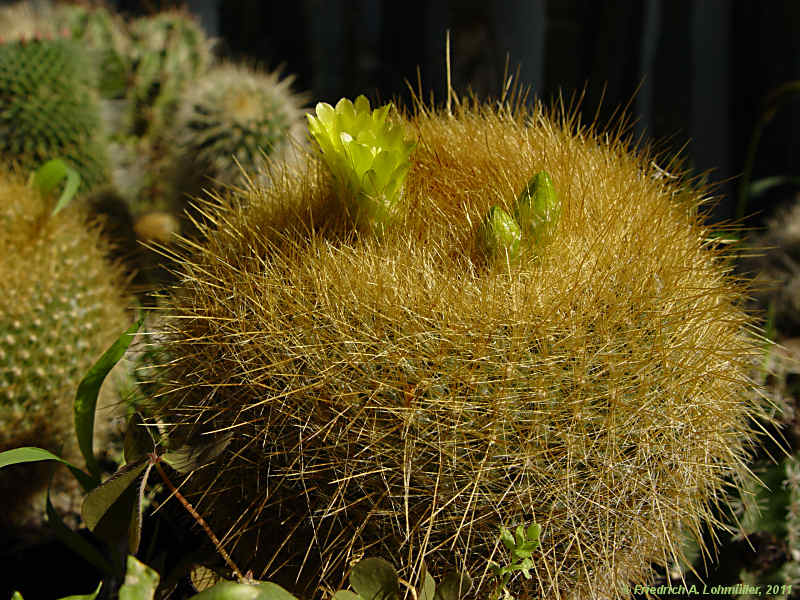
<point>192,456</point>
<point>140,581</point>
<point>91,596</point>
<point>532,533</point>
<point>50,174</point>
<point>16,596</point>
<point>454,586</point>
<point>98,502</point>
<point>427,588</point>
<point>519,536</point>
<point>86,398</point>
<point>227,590</point>
<point>375,579</point>
<point>76,542</point>
<point>31,454</point>
<point>346,595</point>
<point>138,442</point>
<point>507,538</point>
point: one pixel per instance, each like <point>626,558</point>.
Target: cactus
<point>169,50</point>
<point>60,308</point>
<point>384,395</point>
<point>104,35</point>
<point>48,108</point>
<point>232,117</point>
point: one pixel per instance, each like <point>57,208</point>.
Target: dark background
<point>703,68</point>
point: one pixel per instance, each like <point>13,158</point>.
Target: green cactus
<point>232,115</point>
<point>499,235</point>
<point>60,308</point>
<point>48,108</point>
<point>389,397</point>
<point>538,209</point>
<point>169,50</point>
<point>104,36</point>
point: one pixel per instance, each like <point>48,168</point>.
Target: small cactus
<point>232,117</point>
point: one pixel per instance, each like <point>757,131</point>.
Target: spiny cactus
<point>170,49</point>
<point>48,108</point>
<point>60,308</point>
<point>104,35</point>
<point>384,394</point>
<point>232,117</point>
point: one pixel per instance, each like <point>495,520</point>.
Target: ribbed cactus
<point>104,35</point>
<point>235,114</point>
<point>60,308</point>
<point>48,108</point>
<point>385,394</point>
<point>170,49</point>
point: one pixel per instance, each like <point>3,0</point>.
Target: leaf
<point>454,586</point>
<point>507,538</point>
<point>227,590</point>
<point>98,502</point>
<point>140,581</point>
<point>346,595</point>
<point>138,442</point>
<point>26,454</point>
<point>193,456</point>
<point>427,589</point>
<point>375,579</point>
<point>135,525</point>
<point>86,398</point>
<point>91,596</point>
<point>75,542</point>
<point>532,533</point>
<point>50,174</point>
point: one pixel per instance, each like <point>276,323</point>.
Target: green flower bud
<point>499,234</point>
<point>368,157</point>
<point>538,208</point>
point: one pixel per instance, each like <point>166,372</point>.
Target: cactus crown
<point>367,155</point>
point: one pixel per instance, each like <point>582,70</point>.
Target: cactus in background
<point>234,114</point>
<point>403,402</point>
<point>60,308</point>
<point>170,49</point>
<point>48,108</point>
<point>104,35</point>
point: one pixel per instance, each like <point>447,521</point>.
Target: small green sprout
<point>521,545</point>
<point>499,234</point>
<point>538,208</point>
<point>367,155</point>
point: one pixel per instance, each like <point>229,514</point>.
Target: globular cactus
<point>392,395</point>
<point>48,108</point>
<point>169,50</point>
<point>229,120</point>
<point>61,307</point>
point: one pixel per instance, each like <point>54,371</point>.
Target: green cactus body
<point>60,308</point>
<point>537,209</point>
<point>170,49</point>
<point>48,108</point>
<point>103,34</point>
<point>235,115</point>
<point>385,396</point>
<point>500,235</point>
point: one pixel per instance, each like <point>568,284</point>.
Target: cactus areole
<point>399,395</point>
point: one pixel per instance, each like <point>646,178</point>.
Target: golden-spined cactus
<point>61,306</point>
<point>393,395</point>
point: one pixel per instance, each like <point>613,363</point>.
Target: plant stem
<point>202,522</point>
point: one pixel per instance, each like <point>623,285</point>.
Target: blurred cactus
<point>169,50</point>
<point>60,308</point>
<point>234,116</point>
<point>48,108</point>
